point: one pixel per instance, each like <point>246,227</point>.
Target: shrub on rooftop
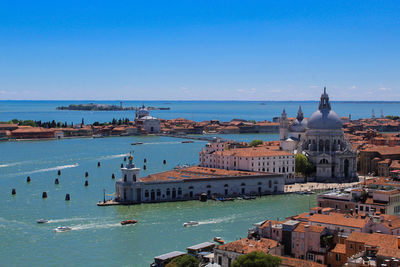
<point>257,259</point>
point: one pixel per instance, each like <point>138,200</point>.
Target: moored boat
<point>191,223</point>
<point>129,222</point>
<point>219,240</point>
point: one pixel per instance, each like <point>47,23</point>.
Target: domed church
<point>322,140</point>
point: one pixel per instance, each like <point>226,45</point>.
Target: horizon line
<point>203,100</point>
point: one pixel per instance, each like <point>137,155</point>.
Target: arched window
<point>321,145</point>
<point>283,169</point>
<point>269,184</point>
<point>327,144</point>
<point>243,184</point>
<point>158,192</point>
<point>146,193</point>
<point>125,177</point>
<point>179,191</point>
<point>208,186</point>
<point>226,185</point>
<point>168,192</point>
<point>323,161</point>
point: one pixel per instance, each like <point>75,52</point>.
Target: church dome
<point>324,118</point>
<point>298,126</point>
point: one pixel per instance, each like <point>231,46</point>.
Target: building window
<point>168,192</point>
<point>125,178</point>
<point>146,193</point>
<point>179,191</point>
<point>337,257</point>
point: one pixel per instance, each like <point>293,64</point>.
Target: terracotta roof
<point>246,245</point>
<point>312,228</point>
<point>198,173</point>
<point>338,219</point>
<point>292,262</point>
<point>375,239</point>
<point>32,130</point>
<point>266,223</point>
<point>384,150</point>
<point>339,248</point>
<point>389,252</point>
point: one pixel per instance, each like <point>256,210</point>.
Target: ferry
<point>191,223</point>
<point>62,229</point>
<point>129,222</point>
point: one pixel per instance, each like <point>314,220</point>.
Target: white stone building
<point>259,159</point>
<point>149,123</point>
<point>190,183</point>
<point>322,140</point>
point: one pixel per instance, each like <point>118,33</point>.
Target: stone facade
<point>322,140</point>
<point>189,183</point>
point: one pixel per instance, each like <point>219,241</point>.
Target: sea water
<point>192,110</point>
<point>97,237</point>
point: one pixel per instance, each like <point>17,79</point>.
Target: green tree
<point>184,261</point>
<point>257,259</point>
<point>301,163</point>
<point>256,142</point>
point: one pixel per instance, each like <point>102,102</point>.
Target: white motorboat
<point>42,221</point>
<point>190,223</point>
<point>63,229</point>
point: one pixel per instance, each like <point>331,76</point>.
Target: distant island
<point>103,107</point>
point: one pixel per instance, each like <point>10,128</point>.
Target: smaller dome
<point>298,126</point>
<point>325,119</point>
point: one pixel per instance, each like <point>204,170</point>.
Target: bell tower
<point>284,126</point>
<point>130,174</point>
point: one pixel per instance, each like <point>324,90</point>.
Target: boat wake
<point>217,220</point>
<point>114,156</point>
<point>94,226</point>
<point>163,143</point>
<point>51,169</point>
<point>66,220</point>
<point>10,164</point>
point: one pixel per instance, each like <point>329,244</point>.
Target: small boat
<point>136,143</point>
<point>190,223</point>
<point>187,141</point>
<point>97,136</point>
<point>62,229</point>
<point>219,240</point>
<point>42,221</point>
<point>128,222</point>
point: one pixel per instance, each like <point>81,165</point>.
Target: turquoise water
<point>193,110</point>
<point>97,238</point>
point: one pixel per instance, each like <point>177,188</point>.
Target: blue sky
<point>201,50</point>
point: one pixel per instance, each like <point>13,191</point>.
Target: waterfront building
<point>379,195</point>
<point>379,160</point>
<point>264,158</point>
<point>321,138</point>
<point>189,183</point>
<point>148,123</point>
